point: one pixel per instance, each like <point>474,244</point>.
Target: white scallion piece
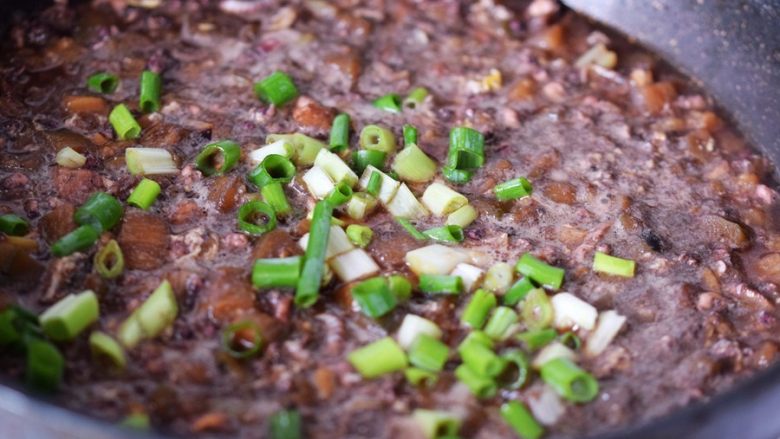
<point>335,167</point>
<point>280,147</point>
<point>150,161</point>
<point>469,274</point>
<point>462,217</point>
<point>353,265</point>
<point>405,205</point>
<point>607,327</point>
<point>499,278</point>
<point>338,242</point>
<point>414,325</point>
<point>441,200</point>
<point>388,187</point>
<point>70,158</point>
<point>435,259</point>
<point>552,351</point>
<point>318,182</point>
<point>572,311</point>
<point>545,404</point>
<point>360,205</point>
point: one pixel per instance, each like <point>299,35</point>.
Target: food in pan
<point>371,219</point>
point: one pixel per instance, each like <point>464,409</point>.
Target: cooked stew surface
<point>607,241</point>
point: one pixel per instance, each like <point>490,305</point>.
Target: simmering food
<point>371,219</point>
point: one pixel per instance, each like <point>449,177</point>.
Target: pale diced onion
<point>435,259</point>
<point>608,326</point>
<point>353,265</point>
<point>70,158</point>
<point>318,182</point>
<point>469,274</point>
<point>412,326</point>
<point>571,311</point>
<point>405,205</point>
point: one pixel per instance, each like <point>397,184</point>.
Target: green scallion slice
<point>467,149</point>
<point>502,319</point>
<point>410,229</point>
<point>218,158</point>
<point>101,211</point>
<point>540,272</point>
<point>613,265</point>
<point>521,420</point>
<point>482,386</point>
<point>256,217</point>
<point>123,122</point>
<point>67,318</point>
<point>518,291</point>
<point>410,135</point>
<point>537,338</point>
<point>569,381</point>
<point>149,92</point>
<point>374,297</point>
<point>340,194</point>
<point>477,311</point>
<point>517,368</point>
<point>144,195</point>
<point>436,424</point>
<point>571,340</point>
<point>376,138</point>
<point>440,284</point>
<point>481,359</point>
<point>415,98</point>
<point>277,273</point>
<point>13,225</point>
<point>400,287</point>
<point>359,235</point>
<point>428,353</point>
<point>103,82</point>
<point>378,358</point>
<point>79,239</point>
<point>449,233</point>
<point>513,189</point>
<point>308,288</point>
<point>374,184</point>
<point>537,309</point>
<point>412,164</point>
<point>339,133</point>
<point>456,176</point>
<point>104,346</point>
<point>390,102</point>
<point>277,89</point>
<point>420,378</point>
<point>286,424</point>
<point>45,365</point>
<point>109,261</point>
<point>361,159</point>
<point>242,339</point>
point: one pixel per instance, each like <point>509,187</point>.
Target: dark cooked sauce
<point>632,161</point>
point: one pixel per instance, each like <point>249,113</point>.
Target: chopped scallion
<point>482,386</point>
<point>101,211</point>
<point>150,161</point>
<point>81,238</point>
<point>605,263</point>
<point>378,358</point>
<point>513,189</point>
<point>374,184</point>
<point>467,149</point>
<point>72,314</point>
<point>410,135</point>
<point>149,92</point>
<point>390,102</point>
<point>415,98</point>
<point>537,309</point>
<point>518,291</point>
<point>144,195</point>
<point>540,272</point>
<point>428,353</point>
<point>109,261</point>
<point>521,420</point>
<point>412,164</point>
<point>13,225</point>
<point>418,377</point>
<point>103,345</point>
<point>441,200</point>
<point>70,158</point>
<point>45,365</point>
<point>256,217</point>
<point>103,82</point>
<point>277,89</point>
<point>218,158</point>
<point>339,133</point>
<point>502,319</point>
<point>286,424</point>
<point>359,235</point>
<point>361,159</point>
<point>400,287</point>
<point>537,338</point>
<point>463,217</point>
<point>480,358</point>
<point>477,311</point>
<point>517,368</point>
<point>374,297</point>
<point>276,273</point>
<point>445,234</point>
<point>440,284</point>
<point>377,138</point>
<point>569,381</point>
<point>340,194</point>
<point>242,339</point>
<point>125,125</point>
<point>436,424</point>
<point>307,290</point>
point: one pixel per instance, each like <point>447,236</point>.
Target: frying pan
<point>732,48</point>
